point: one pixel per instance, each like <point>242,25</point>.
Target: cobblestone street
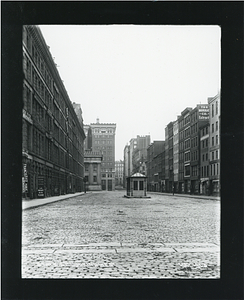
<point>104,235</point>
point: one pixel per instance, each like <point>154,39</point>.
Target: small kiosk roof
<point>138,175</point>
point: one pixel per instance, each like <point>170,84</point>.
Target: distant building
<point>126,164</point>
<point>199,117</point>
<point>176,155</point>
<point>156,166</point>
<point>184,151</point>
<point>103,139</point>
<point>214,144</point>
<point>119,173</point>
<point>93,162</point>
<point>204,159</point>
<point>135,154</point>
<point>53,135</point>
<point>169,158</point>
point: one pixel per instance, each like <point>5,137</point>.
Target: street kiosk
<point>136,186</point>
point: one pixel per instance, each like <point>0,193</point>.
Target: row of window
<point>40,79</point>
<point>214,169</point>
<point>216,126</point>
<point>216,140</point>
<point>94,167</point>
<point>204,131</point>
<point>103,131</point>
<point>103,142</point>
<point>205,143</point>
<point>191,171</point>
<point>194,155</point>
<point>216,109</point>
<point>109,175</point>
<point>36,142</point>
<point>41,116</point>
<point>215,155</point>
<point>194,128</point>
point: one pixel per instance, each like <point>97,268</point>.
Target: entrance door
<point>109,184</point>
<point>103,184</point>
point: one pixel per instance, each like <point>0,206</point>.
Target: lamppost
<point>84,180</point>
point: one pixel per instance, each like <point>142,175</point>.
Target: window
<point>94,167</point>
<point>103,175</point>
<point>216,154</point>
<point>212,128</point>
<point>187,170</point>
<point>217,126</point>
<point>216,107</point>
<point>141,185</point>
<point>135,185</point>
<point>206,130</point>
<point>206,142</point>
<point>212,141</point>
<point>217,139</point>
<point>94,178</point>
<point>213,155</point>
<point>212,110</point>
<point>206,156</point>
<point>86,167</point>
<point>203,157</point>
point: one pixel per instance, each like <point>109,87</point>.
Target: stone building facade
<point>155,166</point>
<point>53,136</point>
<point>214,144</point>
<point>119,173</point>
<point>92,161</point>
<point>103,140</point>
<point>204,159</point>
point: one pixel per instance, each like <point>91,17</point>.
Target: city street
<point>105,235</point>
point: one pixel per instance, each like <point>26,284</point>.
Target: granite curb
<point>27,204</point>
<point>217,198</point>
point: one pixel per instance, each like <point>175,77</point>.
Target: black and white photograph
<point>121,151</point>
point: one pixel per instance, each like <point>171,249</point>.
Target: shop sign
<point>40,190</point>
<point>25,179</point>
<point>203,111</point>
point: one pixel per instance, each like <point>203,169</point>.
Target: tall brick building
<point>53,136</point>
<point>103,140</point>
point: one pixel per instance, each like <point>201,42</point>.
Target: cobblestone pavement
<point>104,235</point>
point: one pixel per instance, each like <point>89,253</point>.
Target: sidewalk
<point>187,196</point>
<point>43,201</point>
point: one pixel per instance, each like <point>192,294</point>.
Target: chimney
<point>97,120</point>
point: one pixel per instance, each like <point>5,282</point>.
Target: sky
<point>140,77</point>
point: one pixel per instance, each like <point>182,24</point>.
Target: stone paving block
<point>190,244</point>
<point>105,244</point>
<point>137,250</point>
<point>37,251</point>
<point>85,251</point>
<point>209,249</point>
<point>44,246</point>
